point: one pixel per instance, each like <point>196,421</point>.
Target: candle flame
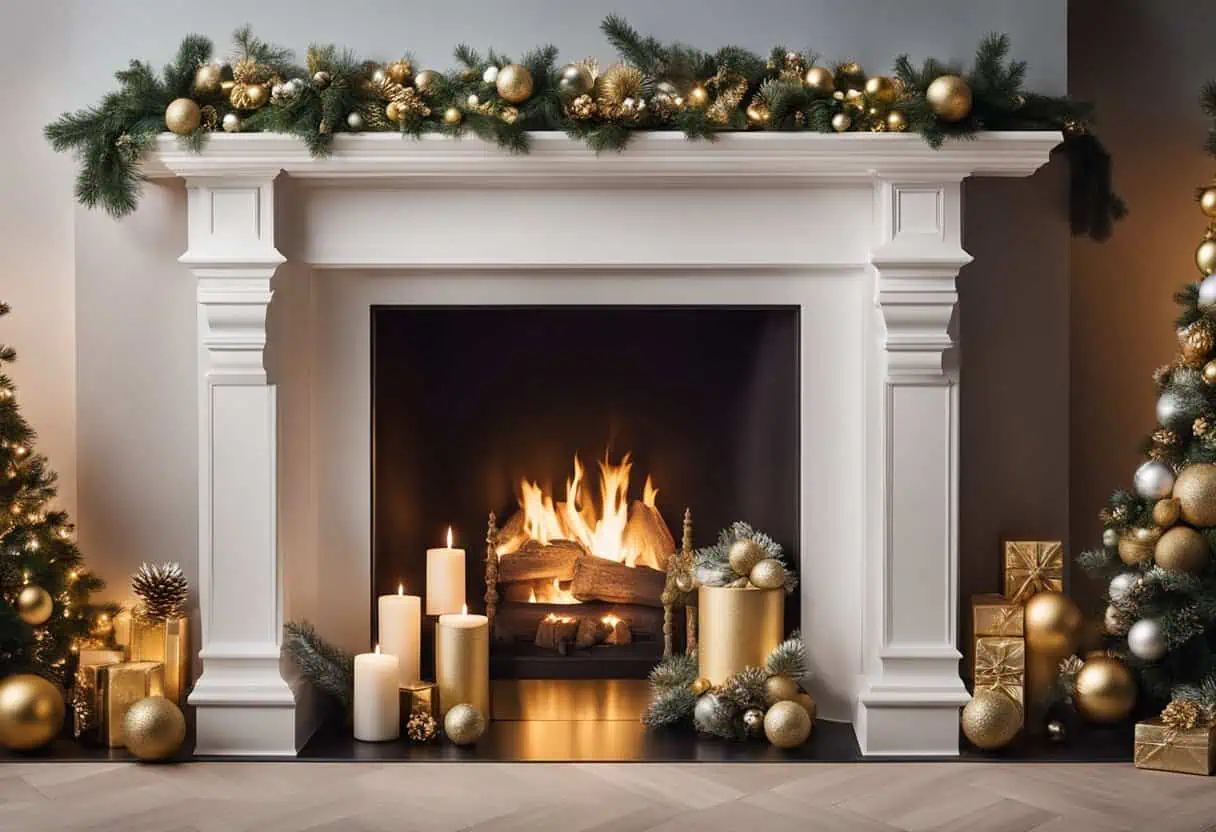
<point>464,609</point>
<point>449,537</point>
<point>377,649</point>
<point>400,589</point>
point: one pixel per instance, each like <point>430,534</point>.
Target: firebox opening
<point>587,431</point>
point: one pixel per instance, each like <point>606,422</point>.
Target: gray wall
<point>133,304</point>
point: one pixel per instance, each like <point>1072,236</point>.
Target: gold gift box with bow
<point>996,615</point>
<point>1000,664</point>
<point>1033,566</point>
<point>1184,750</point>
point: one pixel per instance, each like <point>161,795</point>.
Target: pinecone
<point>421,727</point>
<point>163,588</point>
<point>1198,341</point>
<point>1165,437</point>
<point>583,107</point>
<point>1182,714</point>
<point>1161,375</point>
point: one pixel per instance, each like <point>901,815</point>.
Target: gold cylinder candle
<point>462,663</point>
<point>737,628</point>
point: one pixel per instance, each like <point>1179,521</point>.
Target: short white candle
<point>377,705</point>
<point>400,629</point>
<point>444,579</point>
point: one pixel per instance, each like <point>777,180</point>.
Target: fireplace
<point>587,432</point>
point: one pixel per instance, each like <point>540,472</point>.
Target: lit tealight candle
<point>462,661</point>
<point>377,706</point>
<point>400,629</point>
<point>444,579</point>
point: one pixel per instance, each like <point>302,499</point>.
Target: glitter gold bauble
<point>1207,201</point>
<point>841,122</point>
<point>394,111</point>
<point>426,80</point>
<point>787,725</point>
<point>207,79</point>
<point>1181,548</point>
<point>574,80</point>
<point>400,72</point>
<point>767,574</point>
<point>880,89</point>
<point>34,605</point>
<point>897,121</point>
<point>1209,373</point>
<point>1052,622</point>
<point>780,689</point>
<point>758,114</point>
<point>701,685</point>
<point>1166,512</point>
<point>1105,690</point>
<point>1205,256</point>
<point>1195,490</point>
<point>991,720</point>
<point>949,97</point>
<point>154,728</point>
<point>1136,546</point>
<point>182,116</point>
<point>819,78</point>
<point>452,116</point>
<point>698,97</point>
<point>514,83</point>
<point>808,704</point>
<point>464,725</point>
<point>744,554</point>
<point>31,712</point>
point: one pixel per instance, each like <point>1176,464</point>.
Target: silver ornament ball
<point>574,80</point>
<point>1177,411</point>
<point>1146,641</point>
<point>1121,585</point>
<point>705,713</point>
<point>1110,538</point>
<point>753,722</point>
<point>1154,480</point>
<point>1113,621</point>
<point>490,75</point>
<point>472,102</point>
<point>354,121</point>
<point>1207,292</point>
<point>231,123</point>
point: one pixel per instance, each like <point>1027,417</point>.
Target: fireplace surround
<point>860,234</point>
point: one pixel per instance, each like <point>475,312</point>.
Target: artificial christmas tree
<point>45,614</point>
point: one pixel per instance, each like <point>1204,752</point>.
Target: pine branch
<point>329,668</point>
<point>788,658</point>
<point>644,53</point>
<point>674,672</point>
<point>669,706</point>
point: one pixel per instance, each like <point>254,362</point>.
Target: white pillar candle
<point>377,705</point>
<point>462,662</point>
<point>444,579</point>
<point>400,631</point>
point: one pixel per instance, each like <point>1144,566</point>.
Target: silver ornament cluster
<point>1207,292</point>
<point>1146,640</point>
<point>1176,410</point>
<point>706,714</point>
<point>287,90</point>
<point>1121,586</point>
<point>1154,480</point>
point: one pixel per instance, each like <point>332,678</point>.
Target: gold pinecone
<point>1113,517</point>
<point>421,727</point>
<point>793,66</point>
<point>163,588</point>
<point>1183,714</point>
<point>210,117</point>
<point>582,107</point>
<point>1197,340</point>
<point>731,90</point>
<point>1165,437</point>
<point>1200,426</point>
<point>373,116</point>
<point>246,71</point>
<point>619,82</point>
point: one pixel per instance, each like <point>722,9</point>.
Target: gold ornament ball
<point>881,89</point>
<point>509,114</point>
<point>758,114</point>
<point>574,80</point>
<point>426,80</point>
<point>1195,490</point>
<point>780,689</point>
<point>1136,546</point>
<point>399,72</point>
<point>452,116</point>
<point>1205,256</point>
<point>787,725</point>
<point>31,712</point>
<point>897,121</point>
<point>1052,623</point>
<point>464,725</point>
<point>1207,201</point>
<point>182,116</point>
<point>744,554</point>
<point>767,574</point>
<point>207,79</point>
<point>753,722</point>
<point>808,704</point>
<point>258,95</point>
<point>154,728</point>
<point>949,97</point>
<point>514,83</point>
<point>1181,548</point>
<point>1209,373</point>
<point>991,720</point>
<point>1166,512</point>
<point>819,78</point>
<point>1105,689</point>
<point>841,122</point>
<point>35,605</point>
<point>320,79</point>
<point>701,685</point>
<point>394,111</point>
<point>685,582</point>
<point>698,97</point>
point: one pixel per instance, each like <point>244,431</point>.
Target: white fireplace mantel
<point>862,232</point>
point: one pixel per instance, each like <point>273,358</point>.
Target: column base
<point>907,721</point>
<point>243,707</point>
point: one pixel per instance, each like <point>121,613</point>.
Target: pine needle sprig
<point>328,667</point>
<point>788,658</point>
<point>669,706</point>
<point>676,671</point>
<point>745,689</point>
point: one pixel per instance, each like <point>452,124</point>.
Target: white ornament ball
<point>1146,641</point>
<point>1121,585</point>
<point>472,102</point>
<point>277,91</point>
<point>1110,538</point>
<point>1154,480</point>
<point>354,121</point>
<point>1207,292</point>
<point>490,75</point>
<point>231,123</point>
<point>297,84</point>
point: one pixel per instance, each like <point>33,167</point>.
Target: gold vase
<point>462,667</point>
<point>737,628</point>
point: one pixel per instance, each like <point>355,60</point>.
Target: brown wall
<point>1143,63</point>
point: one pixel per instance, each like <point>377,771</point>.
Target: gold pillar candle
<point>119,687</point>
<point>165,641</point>
<point>737,628</point>
<point>462,662</point>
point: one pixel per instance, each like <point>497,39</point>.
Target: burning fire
<point>553,595</point>
<point>605,527</point>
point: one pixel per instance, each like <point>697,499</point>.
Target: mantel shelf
<point>662,158</point>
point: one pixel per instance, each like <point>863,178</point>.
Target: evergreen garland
<point>111,138</point>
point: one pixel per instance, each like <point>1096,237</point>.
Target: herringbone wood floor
<point>874,797</point>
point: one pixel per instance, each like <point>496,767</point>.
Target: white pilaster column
<point>242,703</point>
<point>911,691</point>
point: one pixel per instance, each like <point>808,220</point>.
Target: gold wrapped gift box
<point>119,686</point>
<point>167,642</point>
<point>418,698</point>
<point>86,702</point>
<point>1032,566</point>
<point>996,615</point>
<point>1186,750</point>
<point>1000,664</point>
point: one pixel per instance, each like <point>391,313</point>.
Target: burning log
<point>647,534</point>
<point>535,561</point>
<point>597,579</point>
<point>619,632</point>
<point>521,622</point>
<point>555,630</point>
<point>591,631</point>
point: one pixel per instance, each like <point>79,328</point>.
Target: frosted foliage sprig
<point>712,563</point>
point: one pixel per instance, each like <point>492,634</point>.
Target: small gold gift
<point>86,699</point>
<point>995,615</point>
<point>1182,740</point>
<point>119,686</point>
<point>1000,664</point>
<point>165,641</point>
<point>1033,566</point>
<point>418,698</point>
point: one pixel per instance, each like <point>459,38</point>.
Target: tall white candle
<point>400,628</point>
<point>444,579</point>
<point>377,705</point>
